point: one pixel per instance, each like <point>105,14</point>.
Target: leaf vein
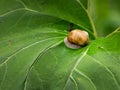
<point>5,14</point>
<point>107,70</point>
<point>4,76</point>
<point>79,72</point>
<point>76,64</point>
<point>40,54</point>
<point>74,82</point>
<point>28,46</point>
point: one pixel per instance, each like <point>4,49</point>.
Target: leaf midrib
<point>111,73</point>
<point>28,46</point>
<point>75,65</point>
<point>35,61</point>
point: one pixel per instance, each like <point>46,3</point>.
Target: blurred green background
<point>106,15</point>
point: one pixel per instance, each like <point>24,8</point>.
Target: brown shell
<point>78,37</point>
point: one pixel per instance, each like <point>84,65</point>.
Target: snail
<point>76,39</point>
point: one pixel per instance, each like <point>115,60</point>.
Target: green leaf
<point>74,11</point>
<point>33,55</point>
<point>95,67</point>
<point>24,37</point>
<point>7,6</point>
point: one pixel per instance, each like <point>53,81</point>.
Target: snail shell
<point>76,39</point>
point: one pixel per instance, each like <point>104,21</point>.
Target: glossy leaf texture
<point>33,55</point>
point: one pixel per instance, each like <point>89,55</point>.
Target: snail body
<point>76,39</point>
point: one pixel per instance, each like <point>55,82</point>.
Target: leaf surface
<point>33,55</point>
<point>74,11</point>
<point>95,67</point>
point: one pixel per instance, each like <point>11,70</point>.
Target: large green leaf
<point>95,67</point>
<point>33,55</point>
<point>74,11</point>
